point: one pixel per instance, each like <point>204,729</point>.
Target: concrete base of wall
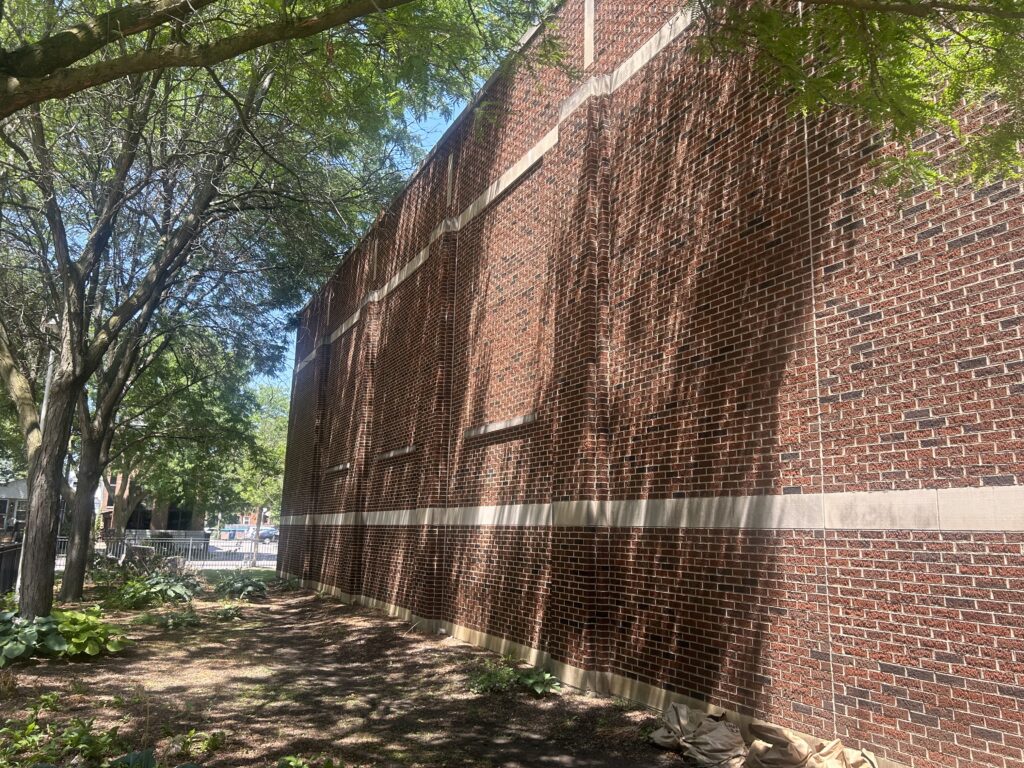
<point>607,683</point>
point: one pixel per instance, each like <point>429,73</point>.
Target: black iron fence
<point>10,554</point>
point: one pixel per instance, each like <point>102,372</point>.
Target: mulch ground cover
<point>298,675</point>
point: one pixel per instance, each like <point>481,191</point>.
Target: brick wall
<point>646,378</point>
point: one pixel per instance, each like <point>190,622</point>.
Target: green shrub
<point>502,676</point>
<point>241,586</point>
<point>156,589</point>
<point>494,676</point>
<point>67,634</point>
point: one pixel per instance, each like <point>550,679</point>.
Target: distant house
<point>13,508</point>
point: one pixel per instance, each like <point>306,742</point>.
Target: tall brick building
<point>647,379</point>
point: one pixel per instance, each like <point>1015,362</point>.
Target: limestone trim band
<point>597,85</point>
<point>996,509</point>
<point>607,683</point>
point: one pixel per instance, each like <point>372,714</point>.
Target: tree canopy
<point>54,50</point>
<point>184,195</point>
<point>911,68</point>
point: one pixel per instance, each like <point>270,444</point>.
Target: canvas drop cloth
<point>709,741</point>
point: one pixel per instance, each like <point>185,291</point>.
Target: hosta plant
<point>241,586</point>
<point>540,682</point>
<point>157,589</point>
<point>67,634</point>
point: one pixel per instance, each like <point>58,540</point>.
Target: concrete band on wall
<point>944,509</point>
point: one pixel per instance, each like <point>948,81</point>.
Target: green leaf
<point>14,650</point>
<point>55,643</point>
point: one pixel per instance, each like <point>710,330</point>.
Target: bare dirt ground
<point>298,675</point>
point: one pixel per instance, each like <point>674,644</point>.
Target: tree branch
<point>18,93</point>
<point>44,57</point>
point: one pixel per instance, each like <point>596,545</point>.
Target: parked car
<point>269,534</point>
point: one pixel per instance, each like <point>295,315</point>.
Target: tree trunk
<point>82,514</point>
<point>161,514</point>
<point>127,496</point>
<point>46,479</point>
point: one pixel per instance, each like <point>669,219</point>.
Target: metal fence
<point>10,554</point>
<point>196,553</point>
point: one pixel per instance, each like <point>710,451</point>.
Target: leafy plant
<point>286,584</point>
<point>241,586</point>
<point>85,633</point>
<point>540,681</point>
<point>228,613</point>
<point>80,740</point>
<point>495,676</point>
<point>47,701</point>
<point>155,589</point>
<point>67,634</point>
<point>199,743</point>
<point>502,676</point>
<point>142,759</point>
<point>296,761</point>
<point>31,742</point>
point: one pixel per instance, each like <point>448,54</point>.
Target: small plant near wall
<point>540,682</point>
<point>286,584</point>
<point>495,676</point>
<point>502,676</point>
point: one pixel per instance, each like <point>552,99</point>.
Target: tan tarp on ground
<point>711,742</point>
<point>705,740</point>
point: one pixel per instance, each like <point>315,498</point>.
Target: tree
<point>188,389</point>
<point>12,460</point>
<point>159,34</point>
<point>259,477</point>
<point>187,423</point>
<point>169,194</point>
<point>907,67</point>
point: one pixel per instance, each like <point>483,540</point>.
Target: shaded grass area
<point>300,675</point>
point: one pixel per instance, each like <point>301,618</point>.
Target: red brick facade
<point>647,374</point>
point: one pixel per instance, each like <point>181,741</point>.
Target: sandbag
<point>776,747</point>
